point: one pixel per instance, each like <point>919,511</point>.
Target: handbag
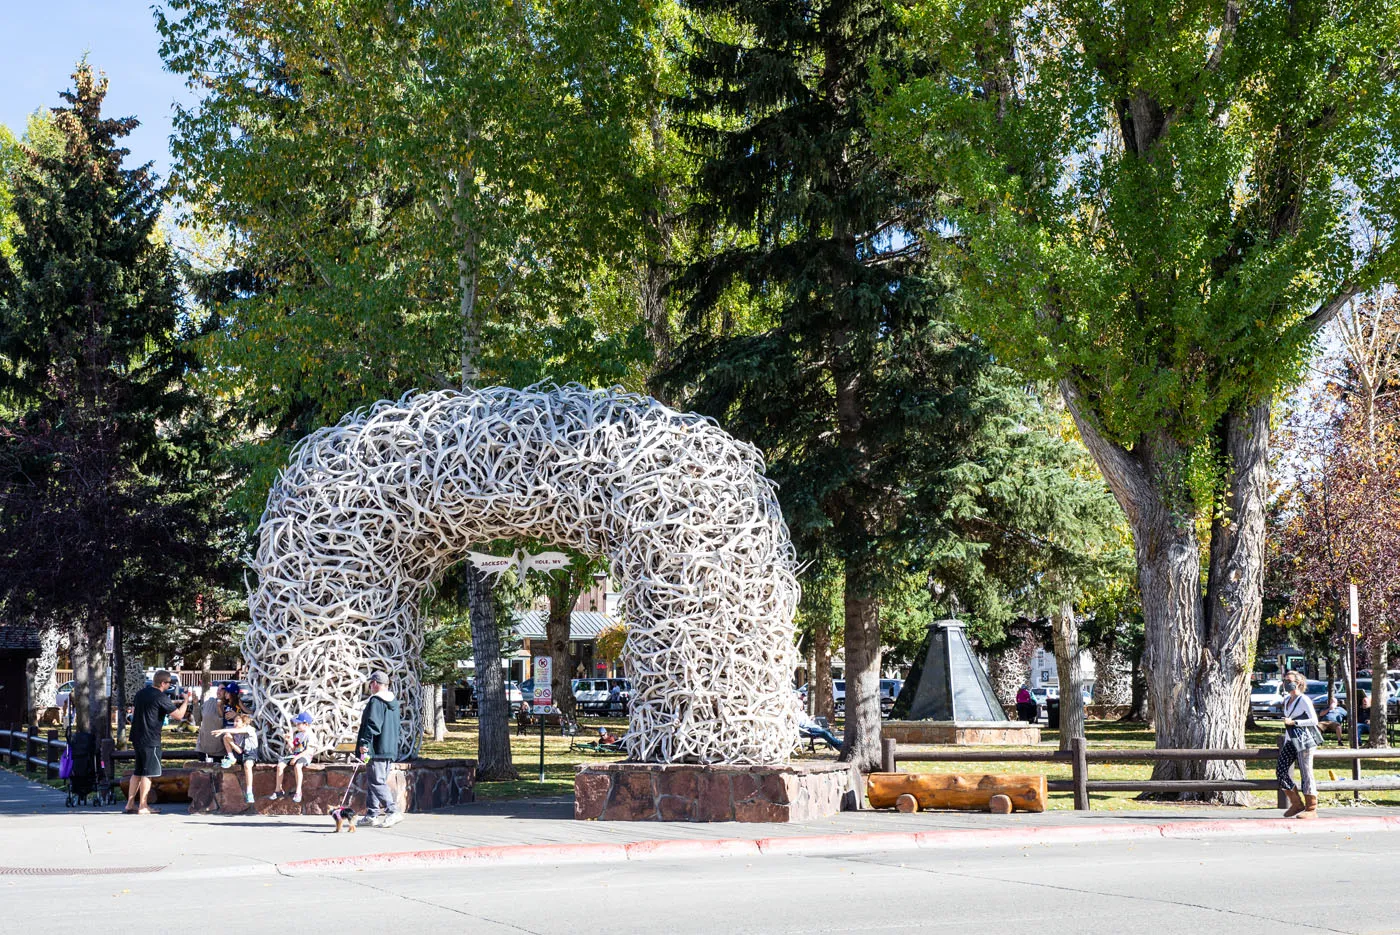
<point>1302,738</point>
<point>65,764</point>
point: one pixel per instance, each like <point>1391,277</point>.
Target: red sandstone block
<point>590,794</point>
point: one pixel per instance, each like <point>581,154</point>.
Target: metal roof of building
<point>21,637</point>
<point>583,624</point>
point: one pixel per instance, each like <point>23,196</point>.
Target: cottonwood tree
<point>419,194</point>
<point>1153,203</point>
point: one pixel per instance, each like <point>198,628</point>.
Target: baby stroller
<point>86,779</point>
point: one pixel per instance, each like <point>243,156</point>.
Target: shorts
<point>147,762</point>
<point>303,758</point>
<point>247,756</point>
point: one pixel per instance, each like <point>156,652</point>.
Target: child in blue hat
<point>301,745</point>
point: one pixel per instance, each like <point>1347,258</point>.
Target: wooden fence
<point>187,676</point>
<point>26,747</point>
<point>1079,756</point>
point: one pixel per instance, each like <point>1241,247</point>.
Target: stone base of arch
<point>690,792</point>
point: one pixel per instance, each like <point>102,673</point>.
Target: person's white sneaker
<point>392,819</point>
<point>376,822</point>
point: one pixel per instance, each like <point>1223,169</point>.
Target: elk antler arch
<point>370,512</point>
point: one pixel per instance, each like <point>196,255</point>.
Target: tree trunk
<point>449,705</point>
<point>1379,715</point>
<point>1139,711</point>
<point>820,688</point>
<point>434,722</point>
<point>119,683</point>
<point>493,712</point>
<point>206,671</point>
<point>90,680</point>
<point>563,595</point>
<point>862,737</point>
<point>1070,668</point>
<point>1112,683</point>
<point>1197,645</point>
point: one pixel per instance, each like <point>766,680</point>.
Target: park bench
<point>810,737</point>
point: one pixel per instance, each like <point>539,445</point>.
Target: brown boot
<point>1309,807</point>
<point>1295,803</point>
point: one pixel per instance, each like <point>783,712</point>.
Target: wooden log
<point>1000,805</point>
<point>170,786</point>
<point>956,790</point>
<point>906,803</point>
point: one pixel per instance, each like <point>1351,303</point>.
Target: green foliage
<point>1154,204</point>
<point>902,449</point>
<point>413,194</point>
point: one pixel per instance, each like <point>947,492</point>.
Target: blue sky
<point>40,40</point>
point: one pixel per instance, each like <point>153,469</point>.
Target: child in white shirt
<point>241,746</point>
<point>301,747</point>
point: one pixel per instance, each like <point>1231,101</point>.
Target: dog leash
<point>349,785</point>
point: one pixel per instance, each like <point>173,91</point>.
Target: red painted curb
<point>820,844</point>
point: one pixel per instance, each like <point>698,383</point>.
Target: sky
<point>41,40</point>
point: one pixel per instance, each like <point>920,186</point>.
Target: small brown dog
<point>344,818</point>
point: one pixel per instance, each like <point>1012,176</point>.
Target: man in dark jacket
<point>379,740</point>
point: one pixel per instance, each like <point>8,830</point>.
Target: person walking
<point>149,709</point>
<point>1026,708</point>
<point>1300,737</point>
<point>379,740</point>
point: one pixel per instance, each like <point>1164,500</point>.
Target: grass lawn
<point>559,763</point>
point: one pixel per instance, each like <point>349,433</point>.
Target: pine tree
<point>104,506</point>
<point>862,395</point>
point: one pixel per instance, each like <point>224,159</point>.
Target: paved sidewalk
<point>37,832</point>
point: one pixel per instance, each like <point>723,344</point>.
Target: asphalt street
<point>1241,885</point>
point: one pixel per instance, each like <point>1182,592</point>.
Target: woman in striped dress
<point>1300,738</point>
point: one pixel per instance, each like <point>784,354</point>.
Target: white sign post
<point>543,700</point>
<point>544,690</point>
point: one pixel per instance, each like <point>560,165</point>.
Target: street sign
<point>1355,617</point>
<point>544,691</point>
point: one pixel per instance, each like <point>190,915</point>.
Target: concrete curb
<point>824,844</point>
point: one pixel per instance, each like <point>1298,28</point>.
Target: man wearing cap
<point>379,740</point>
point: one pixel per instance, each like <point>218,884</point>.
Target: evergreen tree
<point>865,400</point>
<point>105,511</point>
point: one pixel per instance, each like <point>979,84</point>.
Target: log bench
<point>172,785</point>
<point>957,790</point>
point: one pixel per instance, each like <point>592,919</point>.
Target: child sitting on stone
<point>241,746</point>
<point>300,744</point>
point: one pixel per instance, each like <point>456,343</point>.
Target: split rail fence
<point>1079,756</point>
<point>36,751</point>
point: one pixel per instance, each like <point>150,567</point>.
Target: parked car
<point>592,694</point>
<point>1263,695</point>
<point>1315,690</point>
<point>889,691</point>
<point>513,695</point>
<point>1364,684</point>
<point>838,695</point>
